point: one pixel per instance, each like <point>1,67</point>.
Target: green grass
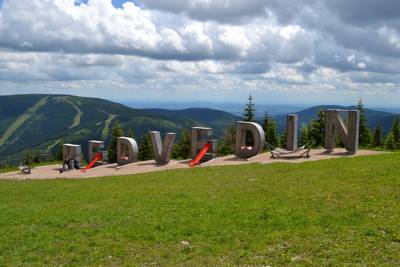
<point>333,212</point>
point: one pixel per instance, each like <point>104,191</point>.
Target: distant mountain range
<point>203,116</point>
<point>375,118</point>
<point>40,122</point>
<point>233,108</point>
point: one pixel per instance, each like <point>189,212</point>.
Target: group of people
<point>69,164</point>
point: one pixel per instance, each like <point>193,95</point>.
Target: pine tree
<point>377,138</point>
<point>145,148</point>
<point>27,157</point>
<point>131,134</point>
<point>271,135</point>
<point>389,142</point>
<point>249,115</point>
<point>396,132</point>
<point>266,123</point>
<point>304,137</point>
<point>60,150</point>
<point>317,130</point>
<point>283,140</point>
<point>36,158</point>
<point>365,133</point>
<point>112,148</point>
<point>227,145</point>
<point>249,111</point>
<point>338,142</point>
<point>183,147</point>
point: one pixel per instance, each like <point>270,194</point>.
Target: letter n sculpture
<point>347,134</point>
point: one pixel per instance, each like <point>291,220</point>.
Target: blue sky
<point>116,3</point>
<point>291,52</point>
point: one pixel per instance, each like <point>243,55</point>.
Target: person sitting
<point>76,165</point>
<point>24,169</point>
<point>65,166</point>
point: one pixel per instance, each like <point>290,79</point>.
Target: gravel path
<point>51,172</point>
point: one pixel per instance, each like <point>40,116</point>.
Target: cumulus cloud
<point>227,11</point>
<point>99,27</point>
<point>366,12</point>
<point>218,44</point>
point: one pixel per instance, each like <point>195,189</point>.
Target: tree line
<point>313,134</point>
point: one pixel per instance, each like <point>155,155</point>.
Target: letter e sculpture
<point>200,137</point>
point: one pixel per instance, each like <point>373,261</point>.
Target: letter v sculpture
<point>162,152</point>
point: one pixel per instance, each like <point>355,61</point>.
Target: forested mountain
<point>41,122</point>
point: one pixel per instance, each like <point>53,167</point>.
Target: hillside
<point>375,118</point>
<point>213,118</point>
<point>42,121</point>
<point>307,214</point>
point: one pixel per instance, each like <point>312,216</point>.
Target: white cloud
<point>230,11</point>
<point>213,44</point>
<point>98,27</point>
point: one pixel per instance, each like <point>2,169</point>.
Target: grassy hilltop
<point>333,212</point>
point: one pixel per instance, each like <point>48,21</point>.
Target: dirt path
<point>51,172</point>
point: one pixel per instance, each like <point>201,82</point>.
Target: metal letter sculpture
<point>348,135</point>
<point>243,128</point>
<point>200,137</point>
<point>162,153</point>
<point>127,151</point>
<point>291,132</point>
<point>94,148</point>
<point>72,154</point>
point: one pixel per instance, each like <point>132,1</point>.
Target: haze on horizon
<point>298,52</point>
